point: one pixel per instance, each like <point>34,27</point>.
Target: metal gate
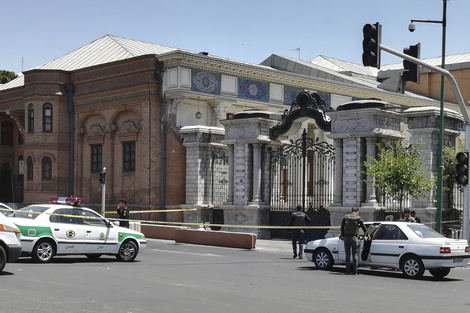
<point>302,173</point>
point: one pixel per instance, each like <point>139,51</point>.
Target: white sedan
<point>409,247</point>
<point>64,229</point>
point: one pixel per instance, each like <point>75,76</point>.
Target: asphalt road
<point>170,277</point>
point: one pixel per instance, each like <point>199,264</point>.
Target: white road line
<point>190,253</point>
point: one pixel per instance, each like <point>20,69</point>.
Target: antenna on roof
<point>22,62</point>
<point>298,49</point>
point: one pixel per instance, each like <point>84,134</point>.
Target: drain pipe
<point>163,133</point>
<point>69,88</point>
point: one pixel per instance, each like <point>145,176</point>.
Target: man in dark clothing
<point>349,231</point>
<point>413,215</point>
<point>123,213</point>
<point>298,219</point>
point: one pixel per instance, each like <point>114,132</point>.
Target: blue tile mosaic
<point>204,81</point>
<point>290,93</point>
<point>253,90</point>
<point>325,97</point>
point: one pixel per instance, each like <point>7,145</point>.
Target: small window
<point>65,216</point>
<point>46,169</point>
<point>47,118</point>
<point>390,232</point>
<point>30,118</point>
<point>96,157</point>
<point>7,134</point>
<point>128,156</point>
<point>29,168</point>
<point>93,218</point>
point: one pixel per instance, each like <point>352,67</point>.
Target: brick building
<point>127,105</point>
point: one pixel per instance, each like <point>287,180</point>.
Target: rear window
<point>424,231</point>
<point>30,212</point>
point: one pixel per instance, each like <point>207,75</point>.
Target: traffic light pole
<point>103,194</point>
<point>463,110</point>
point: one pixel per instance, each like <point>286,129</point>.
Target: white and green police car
<point>64,227</point>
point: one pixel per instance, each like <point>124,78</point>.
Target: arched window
<point>29,168</point>
<point>46,169</point>
<point>7,134</point>
<point>47,118</point>
<point>31,118</point>
<point>128,156</point>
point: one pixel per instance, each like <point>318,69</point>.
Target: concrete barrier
<point>216,238</point>
<point>160,231</point>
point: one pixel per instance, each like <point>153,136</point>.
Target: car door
<point>99,238</point>
<point>67,230</point>
<point>388,243</point>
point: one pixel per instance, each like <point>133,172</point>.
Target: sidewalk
<point>274,245</point>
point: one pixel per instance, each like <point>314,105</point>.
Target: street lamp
<point>412,28</point>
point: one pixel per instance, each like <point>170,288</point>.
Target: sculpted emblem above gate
<point>306,105</point>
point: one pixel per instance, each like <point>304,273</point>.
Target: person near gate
<point>349,232</point>
<point>413,215</point>
<point>298,218</point>
<point>123,213</point>
<point>408,218</point>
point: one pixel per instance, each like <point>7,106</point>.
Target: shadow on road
<point>380,273</point>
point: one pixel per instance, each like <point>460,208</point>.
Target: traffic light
<point>462,168</point>
<point>371,45</point>
<point>103,177</point>
<point>411,72</point>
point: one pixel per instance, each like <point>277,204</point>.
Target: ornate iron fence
<point>219,178</point>
<point>302,173</point>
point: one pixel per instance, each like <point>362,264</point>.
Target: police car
<point>6,210</point>
<point>64,227</point>
<point>10,247</point>
<point>409,247</point>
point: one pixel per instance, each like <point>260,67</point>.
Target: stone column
<point>355,126</point>
<point>247,132</point>
<point>230,175</point>
<point>199,141</point>
<point>423,125</point>
<point>371,198</point>
<point>338,196</point>
<point>256,173</point>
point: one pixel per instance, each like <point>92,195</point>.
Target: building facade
<point>152,116</point>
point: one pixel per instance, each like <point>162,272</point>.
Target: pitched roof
<point>328,72</point>
<point>104,50</point>
<point>344,67</point>
<point>453,62</point>
<point>17,82</point>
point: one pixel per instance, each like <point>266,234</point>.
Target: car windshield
<point>424,231</point>
<point>30,212</point>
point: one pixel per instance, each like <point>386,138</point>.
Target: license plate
<point>459,260</point>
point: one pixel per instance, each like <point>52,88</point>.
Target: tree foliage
<point>6,76</point>
<point>398,172</point>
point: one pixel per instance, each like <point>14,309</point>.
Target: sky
<point>34,32</point>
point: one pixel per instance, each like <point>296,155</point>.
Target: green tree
<point>6,76</point>
<point>398,172</point>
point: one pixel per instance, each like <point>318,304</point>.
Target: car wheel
<point>93,256</point>
<point>43,251</point>
<point>127,252</point>
<point>3,258</point>
<point>323,259</point>
<point>412,267</point>
<point>440,272</point>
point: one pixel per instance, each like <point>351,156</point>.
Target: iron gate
<point>302,173</point>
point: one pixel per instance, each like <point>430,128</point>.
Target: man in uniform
<point>349,232</point>
<point>298,219</point>
<point>413,215</point>
<point>408,218</point>
<point>123,213</point>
